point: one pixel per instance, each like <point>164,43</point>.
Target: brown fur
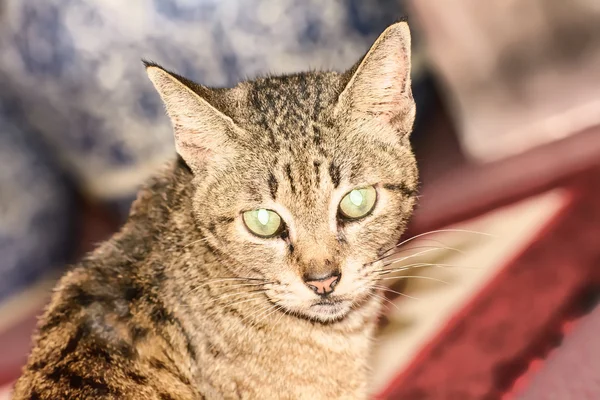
<point>185,303</point>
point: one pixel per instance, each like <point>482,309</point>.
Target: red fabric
<point>518,316</point>
<point>572,371</point>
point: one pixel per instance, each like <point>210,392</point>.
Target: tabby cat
<point>246,267</point>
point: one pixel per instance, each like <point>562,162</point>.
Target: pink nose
<point>323,286</point>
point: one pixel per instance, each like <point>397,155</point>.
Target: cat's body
<point>121,326</point>
<point>185,302</point>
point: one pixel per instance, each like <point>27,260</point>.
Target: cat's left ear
<point>378,87</point>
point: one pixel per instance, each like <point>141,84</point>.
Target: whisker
<point>421,235</point>
<point>229,294</point>
<point>223,280</point>
<point>256,313</point>
<point>233,287</point>
<point>428,278</point>
<point>443,246</point>
<point>393,291</point>
<point>417,254</point>
<point>378,296</point>
<point>268,311</point>
<point>385,271</point>
<point>195,241</point>
<point>283,314</point>
<point>276,307</point>
<point>216,280</point>
<point>242,301</point>
<point>213,301</point>
<point>438,242</point>
<point>444,231</point>
<point>247,284</point>
<point>421,239</point>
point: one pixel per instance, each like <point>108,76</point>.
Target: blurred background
<point>507,138</point>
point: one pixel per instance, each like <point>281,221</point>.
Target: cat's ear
<point>378,86</point>
<point>201,131</point>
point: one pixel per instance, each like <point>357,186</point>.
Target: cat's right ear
<point>201,131</point>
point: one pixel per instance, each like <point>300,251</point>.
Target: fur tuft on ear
<point>202,132</point>
<point>379,84</point>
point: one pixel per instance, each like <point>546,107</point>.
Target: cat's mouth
<point>330,308</point>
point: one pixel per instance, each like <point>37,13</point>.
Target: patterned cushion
<point>36,209</point>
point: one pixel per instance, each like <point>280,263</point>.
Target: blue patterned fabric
<point>36,207</point>
<point>74,66</point>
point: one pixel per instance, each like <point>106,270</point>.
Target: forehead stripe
<point>335,174</point>
<point>273,186</point>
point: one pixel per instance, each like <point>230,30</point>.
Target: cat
<point>246,268</point>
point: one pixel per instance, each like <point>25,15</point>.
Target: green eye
<point>358,203</point>
<point>263,223</point>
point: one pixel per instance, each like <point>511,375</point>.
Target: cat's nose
<point>322,286</point>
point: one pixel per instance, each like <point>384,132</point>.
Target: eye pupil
<point>263,216</point>
<point>356,197</point>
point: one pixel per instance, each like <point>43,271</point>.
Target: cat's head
<point>303,180</point>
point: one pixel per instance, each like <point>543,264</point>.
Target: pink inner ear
<point>194,147</point>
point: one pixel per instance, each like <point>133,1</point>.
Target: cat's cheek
<point>301,293</point>
<point>353,280</point>
<point>383,202</point>
<point>291,290</point>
